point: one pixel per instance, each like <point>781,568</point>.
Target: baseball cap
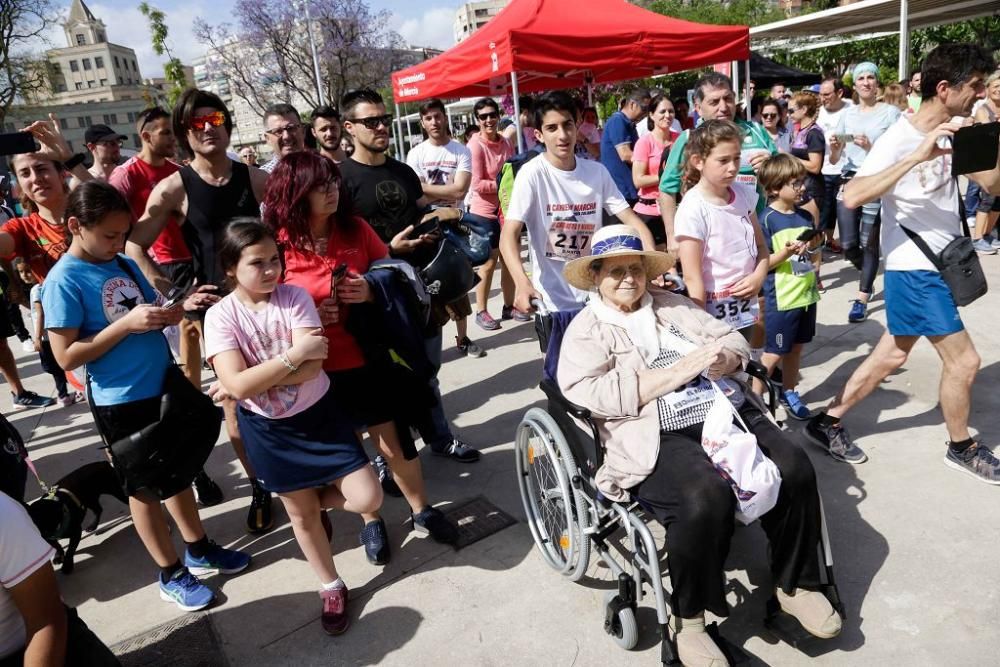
<point>99,132</point>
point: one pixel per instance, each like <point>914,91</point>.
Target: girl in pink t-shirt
<point>647,156</point>
<point>267,345</point>
<point>722,249</point>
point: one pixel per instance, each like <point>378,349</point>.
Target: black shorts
<point>115,422</point>
<point>655,224</point>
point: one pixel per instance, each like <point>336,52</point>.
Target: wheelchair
<point>558,451</point>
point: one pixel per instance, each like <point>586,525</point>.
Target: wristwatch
<point>74,161</point>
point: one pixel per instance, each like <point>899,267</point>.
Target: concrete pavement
<point>912,540</point>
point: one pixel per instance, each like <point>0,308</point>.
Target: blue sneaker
<point>859,312</point>
<point>186,591</point>
<point>794,405</point>
<point>217,560</point>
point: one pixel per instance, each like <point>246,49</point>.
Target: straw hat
<point>615,241</point>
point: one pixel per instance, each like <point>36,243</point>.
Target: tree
<point>267,56</point>
<point>173,69</point>
<point>23,74</point>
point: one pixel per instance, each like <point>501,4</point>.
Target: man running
<point>561,201</point>
<point>283,132</point>
<point>204,195</point>
<point>909,167</point>
<point>105,145</point>
<point>327,130</point>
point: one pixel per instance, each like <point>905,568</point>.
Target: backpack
<point>507,173</point>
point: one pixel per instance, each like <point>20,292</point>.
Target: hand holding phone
<point>429,226</point>
<point>17,143</point>
<point>807,235</point>
<point>336,274</point>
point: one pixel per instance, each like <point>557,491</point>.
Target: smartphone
<point>974,148</point>
<point>845,138</point>
<point>15,143</point>
<point>808,235</point>
<point>177,295</point>
<point>429,226</point>
<point>338,272</point>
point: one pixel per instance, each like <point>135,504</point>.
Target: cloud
<point>433,28</point>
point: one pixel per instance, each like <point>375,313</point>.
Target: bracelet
<point>288,364</point>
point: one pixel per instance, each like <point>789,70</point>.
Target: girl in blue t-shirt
<point>100,312</point>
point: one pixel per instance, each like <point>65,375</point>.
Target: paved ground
<point>913,541</point>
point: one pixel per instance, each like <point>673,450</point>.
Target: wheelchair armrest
<point>756,370</point>
<point>552,392</point>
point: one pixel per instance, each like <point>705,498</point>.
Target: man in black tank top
<point>207,194</point>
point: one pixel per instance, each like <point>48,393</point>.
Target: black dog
<point>61,514</point>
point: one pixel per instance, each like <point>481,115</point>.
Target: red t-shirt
<point>357,247</point>
<point>136,179</point>
<point>40,243</point>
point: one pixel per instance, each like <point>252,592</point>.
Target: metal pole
<point>734,66</point>
<point>312,46</point>
<point>399,134</point>
<point>749,101</point>
<point>590,93</point>
<point>904,39</point>
<point>517,111</point>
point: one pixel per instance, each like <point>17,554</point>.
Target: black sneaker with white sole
<point>831,435</point>
<point>389,486</point>
<point>458,451</point>
<point>29,399</point>
<point>433,522</point>
<point>977,461</point>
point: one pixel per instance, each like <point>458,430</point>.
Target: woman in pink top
<point>647,156</point>
<point>489,152</point>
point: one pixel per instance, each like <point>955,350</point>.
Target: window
<point>116,62</point>
<point>114,119</point>
<point>131,116</point>
<point>80,39</point>
<point>124,64</point>
<point>63,124</point>
<point>135,68</point>
<point>86,64</point>
<point>60,87</point>
<point>104,82</point>
<point>89,122</point>
<point>90,84</point>
<point>79,86</point>
<point>98,61</point>
<point>107,119</point>
<point>74,66</point>
<point>136,141</point>
<point>81,121</point>
<point>482,12</point>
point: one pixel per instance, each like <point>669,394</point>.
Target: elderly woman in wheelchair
<point>649,365</point>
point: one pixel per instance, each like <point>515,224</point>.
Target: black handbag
<point>164,457</point>
<point>958,263</point>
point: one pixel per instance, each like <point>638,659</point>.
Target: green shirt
<point>755,139</point>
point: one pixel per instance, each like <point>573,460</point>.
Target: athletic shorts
<point>787,328</point>
<point>655,225</point>
<point>919,303</point>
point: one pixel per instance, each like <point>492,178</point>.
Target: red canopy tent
<point>534,45</point>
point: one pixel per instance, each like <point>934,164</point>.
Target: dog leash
<point>46,489</point>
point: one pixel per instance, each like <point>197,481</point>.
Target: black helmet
<point>449,274</point>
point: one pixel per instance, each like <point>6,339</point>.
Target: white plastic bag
<point>754,477</point>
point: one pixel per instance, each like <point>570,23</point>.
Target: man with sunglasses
<point>105,145</point>
<point>283,132</point>
<point>388,194</point>
<point>204,196</point>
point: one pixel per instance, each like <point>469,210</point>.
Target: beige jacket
<point>598,370</point>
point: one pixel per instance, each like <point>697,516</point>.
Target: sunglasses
<point>769,115</point>
<point>489,115</point>
<point>373,122</point>
<point>215,119</point>
<point>291,128</point>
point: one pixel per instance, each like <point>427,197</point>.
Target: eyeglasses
<point>769,115</point>
<point>201,123</point>
<point>489,115</point>
<point>291,128</point>
<point>373,122</point>
<point>798,184</point>
<point>618,273</point>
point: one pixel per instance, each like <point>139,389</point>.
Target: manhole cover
<point>476,519</point>
<point>189,641</point>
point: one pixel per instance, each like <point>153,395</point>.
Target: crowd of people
<point>691,238</point>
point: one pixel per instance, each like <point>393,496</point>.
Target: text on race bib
<point>737,313</point>
<point>568,240</point>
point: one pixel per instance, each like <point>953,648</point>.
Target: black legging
<point>697,507</point>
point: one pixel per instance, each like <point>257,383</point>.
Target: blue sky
<point>420,23</point>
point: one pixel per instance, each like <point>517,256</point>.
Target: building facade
<point>472,16</point>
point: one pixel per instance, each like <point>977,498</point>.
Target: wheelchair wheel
<point>557,512</point>
<point>624,630</point>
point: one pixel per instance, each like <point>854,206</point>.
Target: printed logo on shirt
<point>119,295</point>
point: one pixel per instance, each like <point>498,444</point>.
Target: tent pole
<point>590,92</point>
<point>734,68</point>
<point>399,135</point>
<point>746,64</point>
<point>517,111</point>
<point>904,39</point>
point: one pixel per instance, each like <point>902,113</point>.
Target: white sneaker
<point>28,345</point>
<point>70,399</point>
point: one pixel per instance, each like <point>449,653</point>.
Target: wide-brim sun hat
<point>616,241</point>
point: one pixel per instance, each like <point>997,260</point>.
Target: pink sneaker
<point>334,619</point>
<point>486,321</point>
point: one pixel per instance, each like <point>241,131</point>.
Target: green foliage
<point>173,69</point>
<point>736,12</point>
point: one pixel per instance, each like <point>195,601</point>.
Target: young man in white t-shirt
<point>909,167</point>
<point>561,201</point>
<point>831,95</point>
<point>444,167</point>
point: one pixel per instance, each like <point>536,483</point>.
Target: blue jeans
<point>435,430</point>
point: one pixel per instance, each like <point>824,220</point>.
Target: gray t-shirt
<point>872,124</point>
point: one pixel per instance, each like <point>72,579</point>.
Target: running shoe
<point>70,398</point>
<point>833,246</point>
<point>186,591</point>
<point>469,349</point>
<point>486,321</point>
<point>977,461</point>
<point>29,399</point>
<point>259,517</point>
<point>375,540</point>
<point>216,560</point>
<point>983,247</point>
<point>994,241</point>
<point>209,493</point>
<point>457,450</point>
<point>433,522</point>
<point>859,312</point>
<point>794,405</point>
<point>334,618</point>
<point>28,345</point>
<point>389,486</point>
<point>834,439</point>
<point>512,313</point>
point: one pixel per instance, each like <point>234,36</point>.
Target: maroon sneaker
<point>335,619</point>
